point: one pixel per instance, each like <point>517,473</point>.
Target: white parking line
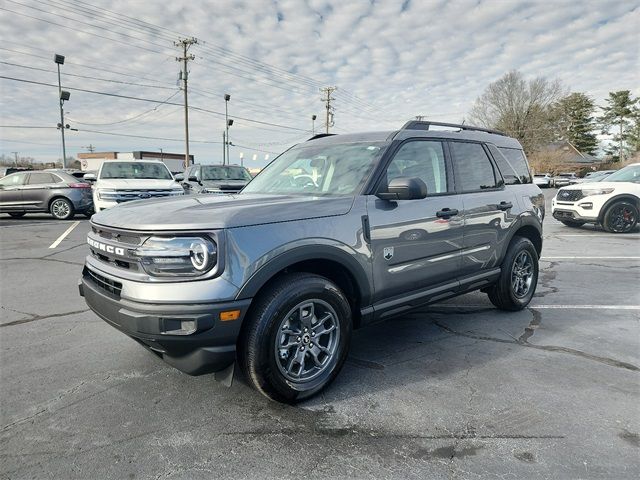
<point>63,236</point>
<point>590,258</point>
<point>559,307</point>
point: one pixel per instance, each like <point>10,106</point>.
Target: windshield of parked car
<point>135,170</point>
<point>630,173</point>
<point>210,172</point>
<point>332,169</point>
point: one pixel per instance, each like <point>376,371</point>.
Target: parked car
<point>4,171</point>
<point>279,275</point>
<point>214,179</point>
<point>595,176</point>
<point>543,180</point>
<point>122,181</point>
<point>53,191</point>
<point>565,179</point>
<point>613,202</point>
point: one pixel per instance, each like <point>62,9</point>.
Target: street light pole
<point>227,97</point>
<point>313,124</point>
<point>59,59</point>
<point>242,159</point>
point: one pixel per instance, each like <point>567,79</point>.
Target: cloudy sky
<point>390,59</point>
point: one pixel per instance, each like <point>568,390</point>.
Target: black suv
<point>214,179</point>
<point>335,233</point>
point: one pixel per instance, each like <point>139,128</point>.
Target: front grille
<point>127,241</point>
<point>111,286</point>
<point>569,195</point>
<point>126,195</point>
<point>563,214</point>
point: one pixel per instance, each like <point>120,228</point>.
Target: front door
<point>11,192</point>
<point>416,243</point>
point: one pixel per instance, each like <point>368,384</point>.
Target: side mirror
<point>404,188</point>
<point>90,177</point>
<point>178,177</point>
<point>193,178</point>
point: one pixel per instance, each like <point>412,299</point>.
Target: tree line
<point>540,111</point>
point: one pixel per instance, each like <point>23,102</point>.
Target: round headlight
<point>199,256</point>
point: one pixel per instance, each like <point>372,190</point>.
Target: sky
<point>391,60</point>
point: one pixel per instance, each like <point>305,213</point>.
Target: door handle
<point>447,213</point>
<point>504,206</point>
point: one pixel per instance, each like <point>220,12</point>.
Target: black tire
<point>88,213</point>
<point>573,223</point>
<point>620,217</point>
<point>263,363</point>
<point>61,209</point>
<point>17,214</point>
<point>503,294</point>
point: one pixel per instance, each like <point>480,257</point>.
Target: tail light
<point>79,185</point>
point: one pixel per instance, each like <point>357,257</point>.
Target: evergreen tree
<point>618,116</point>
<point>574,114</point>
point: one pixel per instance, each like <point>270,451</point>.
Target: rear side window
<point>473,169</point>
<point>41,178</point>
<point>421,159</point>
<point>512,164</point>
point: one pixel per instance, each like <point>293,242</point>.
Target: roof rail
<point>420,125</point>
<point>320,135</point>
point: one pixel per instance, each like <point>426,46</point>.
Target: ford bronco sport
<point>335,233</point>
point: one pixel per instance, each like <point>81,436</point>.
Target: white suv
<point>612,203</point>
<point>121,181</point>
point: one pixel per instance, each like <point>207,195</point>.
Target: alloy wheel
<point>522,274</point>
<point>621,219</point>
<point>60,209</point>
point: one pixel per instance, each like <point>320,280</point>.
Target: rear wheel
<point>296,337</point>
<point>518,278</point>
<point>621,217</point>
<point>61,209</point>
<point>17,214</point>
<point>573,223</point>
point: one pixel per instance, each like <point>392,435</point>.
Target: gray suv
<point>336,233</point>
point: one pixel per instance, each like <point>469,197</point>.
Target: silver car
<point>53,191</point>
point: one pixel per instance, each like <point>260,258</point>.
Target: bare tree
<point>521,108</point>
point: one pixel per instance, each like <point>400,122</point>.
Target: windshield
<point>630,173</point>
<point>135,170</point>
<point>225,173</point>
<point>318,170</point>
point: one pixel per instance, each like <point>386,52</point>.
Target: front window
<point>137,170</point>
<point>225,173</point>
<point>340,169</point>
<point>630,173</point>
<point>13,180</point>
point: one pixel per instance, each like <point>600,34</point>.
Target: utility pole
<point>621,154</point>
<point>420,117</point>
<point>16,155</point>
<point>327,98</point>
<point>90,148</point>
<point>185,43</point>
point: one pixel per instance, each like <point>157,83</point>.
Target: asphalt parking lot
<point>455,390</point>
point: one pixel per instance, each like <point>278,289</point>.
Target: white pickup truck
<point>121,181</point>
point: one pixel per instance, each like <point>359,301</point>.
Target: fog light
<point>179,327</point>
<point>586,206</point>
<point>229,315</point>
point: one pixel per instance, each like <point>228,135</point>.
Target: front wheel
<point>621,217</point>
<point>518,278</point>
<point>296,337</point>
<point>62,209</point>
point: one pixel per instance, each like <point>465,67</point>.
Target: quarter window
<point>512,163</point>
<point>473,169</point>
<point>421,159</point>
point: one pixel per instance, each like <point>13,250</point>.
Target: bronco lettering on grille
<point>106,248</point>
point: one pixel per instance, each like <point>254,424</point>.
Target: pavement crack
<point>39,317</point>
<point>532,327</point>
<point>549,348</point>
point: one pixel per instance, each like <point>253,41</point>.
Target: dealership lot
<point>458,389</point>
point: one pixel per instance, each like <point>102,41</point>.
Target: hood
<point>135,183</point>
<point>207,211</point>
<point>595,185</point>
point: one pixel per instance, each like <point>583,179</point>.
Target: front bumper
<point>210,349</point>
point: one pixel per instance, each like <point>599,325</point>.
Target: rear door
<point>11,192</point>
<point>416,243</point>
<point>487,207</point>
<point>35,194</point>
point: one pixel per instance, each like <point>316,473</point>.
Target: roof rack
<point>420,125</point>
<point>320,135</point>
